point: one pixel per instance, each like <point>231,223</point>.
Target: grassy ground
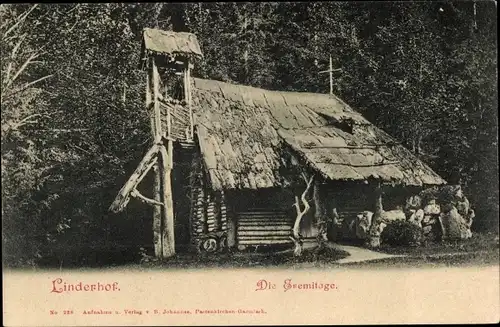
<point>466,259</point>
<point>280,259</point>
<point>478,243</point>
<point>482,249</point>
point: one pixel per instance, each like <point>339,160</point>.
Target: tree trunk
<point>297,238</point>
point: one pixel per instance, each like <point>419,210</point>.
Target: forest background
<point>74,125</point>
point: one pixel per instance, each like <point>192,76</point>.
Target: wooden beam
<point>156,92</point>
<point>377,216</point>
<point>136,194</point>
<point>153,104</point>
<point>320,214</point>
<point>331,75</point>
<point>178,117</point>
<point>169,115</point>
<point>167,233</point>
<point>330,70</point>
<point>348,146</point>
<point>166,99</point>
<point>167,220</point>
<point>187,96</point>
<point>142,169</point>
<point>360,166</point>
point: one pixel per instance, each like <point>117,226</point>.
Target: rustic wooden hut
<point>237,151</point>
<point>247,138</point>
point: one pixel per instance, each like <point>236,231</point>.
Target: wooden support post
<point>377,217</point>
<point>167,240</point>
<point>157,211</point>
<point>320,215</point>
<point>156,107</point>
<point>331,75</point>
<point>187,97</point>
<point>231,223</point>
<point>168,236</point>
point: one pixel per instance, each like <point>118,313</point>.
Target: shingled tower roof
<point>172,43</point>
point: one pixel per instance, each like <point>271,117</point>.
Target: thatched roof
<point>168,42</point>
<point>242,131</point>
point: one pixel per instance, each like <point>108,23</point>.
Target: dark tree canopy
<point>73,124</point>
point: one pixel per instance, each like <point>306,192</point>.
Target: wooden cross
<point>331,70</point>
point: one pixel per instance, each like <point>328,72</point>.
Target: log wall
<point>208,211</point>
<point>263,227</point>
<point>197,216</point>
<point>265,217</point>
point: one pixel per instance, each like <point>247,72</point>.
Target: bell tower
<point>167,57</point>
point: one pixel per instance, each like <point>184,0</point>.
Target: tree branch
<point>27,85</point>
<point>20,19</point>
<point>136,194</point>
<point>142,169</point>
<point>20,70</point>
<point>300,214</point>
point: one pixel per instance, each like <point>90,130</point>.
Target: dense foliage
<point>73,125</point>
<point>401,233</point>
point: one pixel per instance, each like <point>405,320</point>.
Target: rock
<point>427,229</point>
<point>426,219</point>
<point>416,217</point>
<point>465,232</point>
<point>419,216</point>
<point>463,206</point>
<point>432,208</point>
<point>374,241</point>
<point>469,219</point>
<point>381,227</point>
<point>447,207</point>
<point>363,223</point>
<point>392,215</point>
<point>452,225</point>
<point>413,202</point>
<point>432,221</point>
